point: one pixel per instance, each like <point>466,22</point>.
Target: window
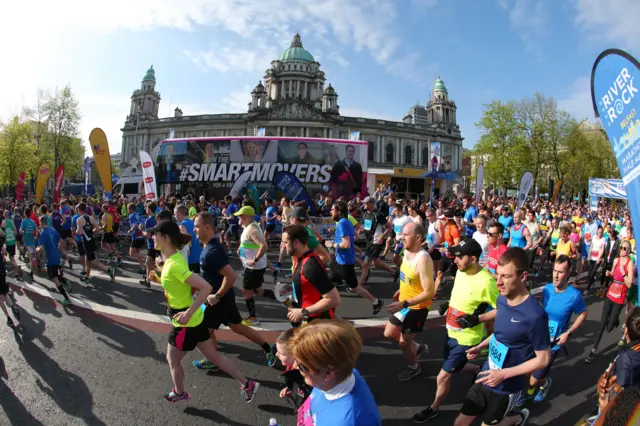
<point>390,153</point>
<point>408,154</point>
<point>425,156</point>
<point>371,155</point>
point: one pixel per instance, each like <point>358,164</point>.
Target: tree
<point>17,151</point>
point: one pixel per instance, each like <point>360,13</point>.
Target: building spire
<point>297,41</point>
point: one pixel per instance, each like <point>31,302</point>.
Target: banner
<point>293,189</point>
<point>526,182</point>
<point>355,136</point>
<point>607,188</point>
<point>261,131</point>
<point>616,102</point>
<point>252,193</point>
<point>20,186</point>
<point>479,183</point>
<point>148,176</point>
<point>435,157</point>
<point>59,179</point>
<point>555,198</point>
<point>535,194</point>
<point>44,171</point>
<point>100,149</point>
<point>86,175</point>
<point>240,184</point>
<point>594,204</point>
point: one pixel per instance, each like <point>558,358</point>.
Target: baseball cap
<point>368,200</point>
<point>248,210</point>
<point>299,213</point>
<point>171,229</point>
<point>448,214</point>
<point>468,247</point>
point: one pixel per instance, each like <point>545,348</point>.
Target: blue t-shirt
<point>356,408</point>
<point>272,215</point>
<point>518,332</point>
<point>212,259</point>
<point>28,228</point>
<point>57,220</point>
<point>66,225</point>
<point>150,223</point>
<point>134,219</point>
<point>140,209</point>
<point>195,250</point>
<point>344,228</point>
<point>49,239</point>
<point>74,225</point>
<point>507,222</point>
<point>231,209</point>
<point>560,307</point>
<point>470,214</point>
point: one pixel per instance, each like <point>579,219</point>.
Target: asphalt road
<point>72,367</point>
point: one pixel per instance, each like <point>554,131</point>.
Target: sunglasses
<point>302,367</point>
<point>624,248</point>
<point>494,234</point>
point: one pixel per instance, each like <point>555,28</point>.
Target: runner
<point>399,222</point>
<point>596,255</point>
<point>451,239</point>
<point>152,253</point>
<point>85,226</point>
<point>497,247</point>
<point>481,236</point>
<point>58,221</point>
<point>507,222</point>
<point>78,242</point>
<point>189,329</point>
<point>470,213</point>
<point>50,241</point>
<point>186,226</point>
<point>221,304</point>
<point>28,228</point>
<point>560,301</point>
<point>5,300</point>
<point>435,233</point>
<point>137,238</point>
<point>521,330</point>
<point>412,301</point>
<point>109,240</point>
<point>520,235</point>
<point>9,229</point>
<point>474,291</point>
<point>299,217</point>
<point>376,229</point>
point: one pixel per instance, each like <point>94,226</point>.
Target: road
<point>77,366</point>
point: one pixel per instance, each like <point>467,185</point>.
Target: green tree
<point>17,151</point>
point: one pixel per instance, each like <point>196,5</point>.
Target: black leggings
<point>592,268</point>
<point>610,319</point>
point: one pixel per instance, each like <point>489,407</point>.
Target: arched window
<point>425,156</point>
<point>390,153</point>
<point>371,155</point>
<point>408,154</point>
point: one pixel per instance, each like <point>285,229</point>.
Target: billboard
<point>211,166</point>
<point>607,188</point>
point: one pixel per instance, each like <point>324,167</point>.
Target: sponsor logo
<point>260,172</point>
<point>98,150</point>
<point>151,195</point>
<point>148,179</point>
<point>147,164</point>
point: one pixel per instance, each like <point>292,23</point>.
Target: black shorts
<point>224,312</point>
<point>19,239</point>
<point>373,251</point>
<point>152,253</point>
<point>270,227</point>
<point>138,244</point>
<point>54,272</point>
<point>447,264</point>
<point>435,255</point>
<point>89,249</point>
<point>490,406</point>
<point>413,322</point>
<point>253,278</point>
<point>4,286</point>
<point>65,233</point>
<point>346,273</point>
<point>194,267</point>
<point>186,339</point>
<point>81,251</point>
<point>109,238</point>
<point>11,250</point>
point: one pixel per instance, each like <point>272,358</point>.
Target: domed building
<point>293,100</point>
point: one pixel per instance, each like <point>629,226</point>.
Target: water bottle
<point>273,422</point>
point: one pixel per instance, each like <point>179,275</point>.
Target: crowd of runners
<point>480,259</point>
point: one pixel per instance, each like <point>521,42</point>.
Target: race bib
<point>305,418</point>
<point>497,354</point>
<point>430,238</point>
<point>553,329</point>
<point>397,229</point>
<point>401,315</point>
<point>452,319</point>
<point>615,290</point>
<point>368,223</point>
<point>446,245</point>
<point>242,252</point>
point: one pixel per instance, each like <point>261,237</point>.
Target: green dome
<point>151,75</point>
<point>439,86</point>
<point>296,52</point>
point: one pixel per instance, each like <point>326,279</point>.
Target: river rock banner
<point>293,189</point>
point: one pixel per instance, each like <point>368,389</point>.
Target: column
<point>297,88</point>
<point>284,130</point>
<point>379,158</point>
<point>398,153</point>
<point>281,90</point>
<point>306,90</point>
<point>290,88</point>
<point>302,132</point>
<point>324,133</point>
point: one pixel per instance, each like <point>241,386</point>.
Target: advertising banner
<point>44,171</point>
<point>526,182</point>
<point>555,198</point>
<point>479,183</point>
<point>57,186</point>
<point>293,189</point>
<point>616,102</point>
<point>593,204</point>
<point>86,175</point>
<point>20,186</point>
<point>148,176</point>
<point>355,136</point>
<point>607,188</point>
<point>341,165</point>
<point>435,157</point>
<point>100,149</point>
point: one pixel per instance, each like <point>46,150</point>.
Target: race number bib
<point>368,223</point>
<point>553,329</point>
<point>397,229</point>
<point>497,354</point>
<point>305,418</point>
<point>452,319</point>
<point>615,290</point>
<point>401,315</point>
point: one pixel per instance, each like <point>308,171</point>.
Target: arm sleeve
<point>317,276</point>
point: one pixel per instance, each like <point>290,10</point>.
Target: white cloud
<point>577,99</point>
<point>611,21</point>
<point>530,20</point>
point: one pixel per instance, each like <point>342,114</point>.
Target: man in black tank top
<point>85,226</point>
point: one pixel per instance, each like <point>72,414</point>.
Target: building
<point>294,101</point>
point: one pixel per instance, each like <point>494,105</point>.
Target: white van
<point>130,184</point>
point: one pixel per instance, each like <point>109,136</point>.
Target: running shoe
<point>203,364</point>
<point>542,392</point>
<point>525,416</point>
<point>67,285</point>
<point>271,356</point>
<point>276,273</point>
<point>65,302</point>
<point>289,276</point>
<point>422,349</point>
<point>524,398</point>
<point>589,359</point>
<point>249,321</point>
<point>10,323</point>
<point>119,262</point>
<point>174,397</point>
<point>377,306</point>
<point>16,312</point>
<point>112,274</point>
<point>31,275</point>
<point>249,390</point>
<point>84,279</point>
<point>396,277</point>
<point>409,373</point>
<point>425,415</point>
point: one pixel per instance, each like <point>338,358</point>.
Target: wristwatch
<point>305,313</point>
<point>217,296</point>
<point>405,304</point>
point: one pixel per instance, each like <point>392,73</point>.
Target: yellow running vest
<point>410,284</point>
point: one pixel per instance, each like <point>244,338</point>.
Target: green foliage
<point>17,151</point>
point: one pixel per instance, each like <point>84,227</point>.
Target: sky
<point>381,56</point>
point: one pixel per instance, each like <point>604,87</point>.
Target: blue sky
<point>380,55</point>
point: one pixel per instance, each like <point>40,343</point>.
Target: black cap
<point>468,247</point>
<point>170,228</point>
<point>299,213</point>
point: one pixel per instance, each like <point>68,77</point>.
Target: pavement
<point>102,362</point>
